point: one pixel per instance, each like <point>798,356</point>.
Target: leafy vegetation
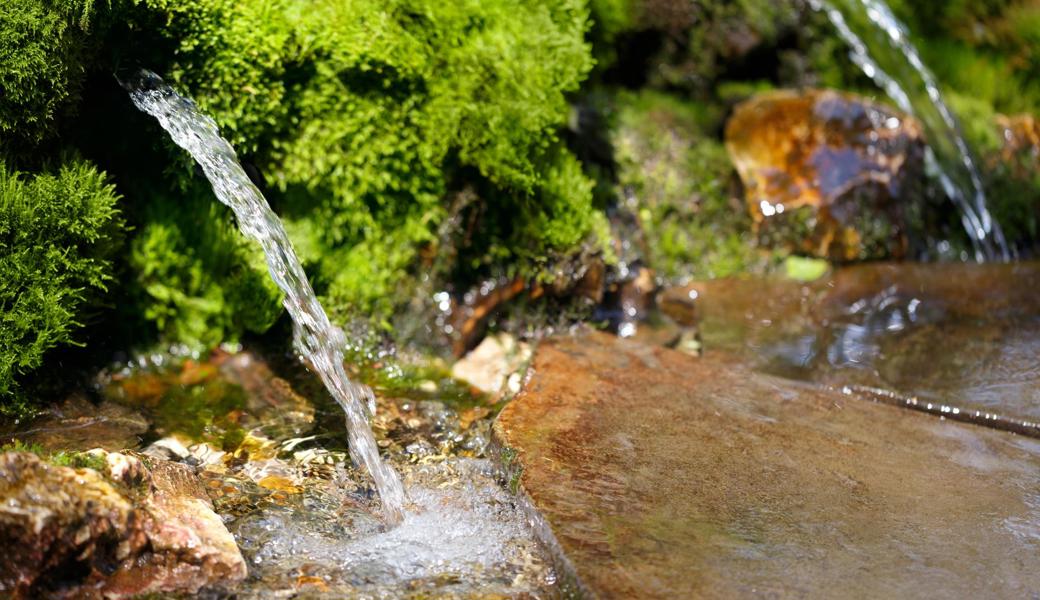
<point>63,458</point>
<point>362,115</point>
<point>360,119</point>
<point>405,140</point>
<point>679,180</point>
<point>43,48</point>
<point>58,233</point>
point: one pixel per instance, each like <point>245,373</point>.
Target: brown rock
<point>1019,133</point>
<point>662,476</point>
<point>1020,149</point>
<point>494,366</point>
<point>79,424</point>
<point>75,533</point>
<point>827,173</point>
<point>270,398</point>
<point>581,277</point>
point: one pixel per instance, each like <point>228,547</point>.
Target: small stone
<point>311,582</point>
<point>467,417</point>
<point>488,366</point>
<point>126,469</point>
<point>278,483</point>
<point>167,448</point>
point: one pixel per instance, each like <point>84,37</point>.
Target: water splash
<point>468,539</point>
<point>320,342</point>
<point>880,45</point>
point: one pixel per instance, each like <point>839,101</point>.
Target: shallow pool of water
<point>960,334</point>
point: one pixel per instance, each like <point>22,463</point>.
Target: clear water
<point>880,45</point>
<point>958,335</point>
<point>320,342</point>
<point>467,539</point>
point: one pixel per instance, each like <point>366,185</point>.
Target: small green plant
<point>58,233</point>
<point>63,458</point>
<point>17,445</point>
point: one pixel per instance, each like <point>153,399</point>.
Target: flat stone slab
<point>660,475</point>
<point>956,334</point>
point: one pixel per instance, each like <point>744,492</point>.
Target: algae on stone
<point>679,181</point>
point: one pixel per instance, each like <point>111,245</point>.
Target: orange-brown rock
<point>664,476</point>
<point>132,530</point>
<point>1020,139</point>
<point>827,173</point>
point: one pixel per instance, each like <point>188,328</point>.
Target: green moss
<point>364,115</point>
<point>75,460</point>
<point>610,18</point>
<point>79,460</point>
<point>1012,182</point>
<point>17,445</point>
<point>58,232</point>
<point>801,268</point>
<point>43,50</point>
<point>978,122</point>
<point>198,279</point>
<point>679,179</point>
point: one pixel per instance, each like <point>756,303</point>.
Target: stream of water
<point>880,45</point>
<point>320,342</point>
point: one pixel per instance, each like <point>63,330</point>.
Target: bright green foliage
<point>987,49</point>
<point>364,117</point>
<point>57,233</point>
<point>801,268</point>
<point>200,281</point>
<point>679,180</point>
<point>1012,181</point>
<point>64,458</point>
<point>610,18</point>
<point>42,54</point>
<point>363,114</point>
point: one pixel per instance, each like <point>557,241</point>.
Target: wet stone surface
<point>666,476</point>
<point>116,529</point>
<point>963,335</point>
<point>79,424</point>
<point>827,173</point>
<point>257,436</point>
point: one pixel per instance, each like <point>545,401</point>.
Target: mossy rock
<point>827,174</point>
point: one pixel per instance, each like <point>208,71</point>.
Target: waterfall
<point>320,342</point>
<point>880,45</point>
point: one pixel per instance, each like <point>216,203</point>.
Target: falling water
<point>881,47</point>
<point>320,341</point>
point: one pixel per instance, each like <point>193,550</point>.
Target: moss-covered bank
<point>412,141</point>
